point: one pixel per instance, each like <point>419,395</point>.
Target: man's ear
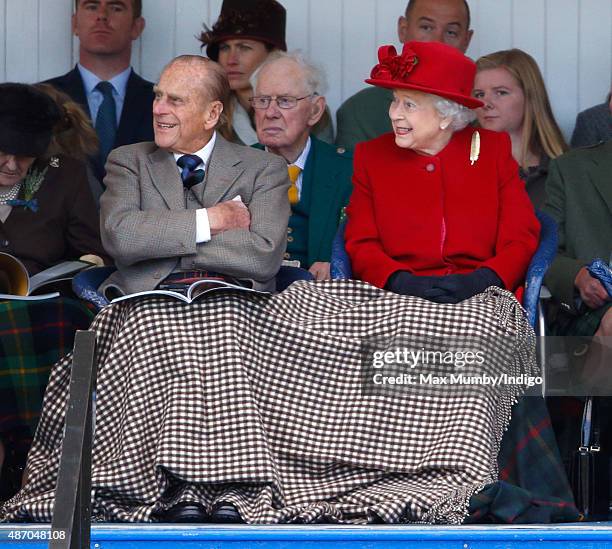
<point>214,110</point>
<point>73,24</point>
<point>317,110</point>
<point>138,26</point>
<point>402,29</point>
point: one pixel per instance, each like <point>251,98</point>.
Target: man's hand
<point>232,214</point>
<point>591,290</point>
<point>320,270</point>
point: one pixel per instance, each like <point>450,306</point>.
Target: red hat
<point>430,67</point>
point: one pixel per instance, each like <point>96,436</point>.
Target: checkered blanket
<point>33,336</point>
<point>262,401</point>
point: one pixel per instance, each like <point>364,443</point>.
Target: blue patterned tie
<point>106,120</point>
<point>189,175</point>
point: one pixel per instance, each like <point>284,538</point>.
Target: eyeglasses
<point>283,101</point>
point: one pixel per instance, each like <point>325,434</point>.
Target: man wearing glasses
<point>288,103</point>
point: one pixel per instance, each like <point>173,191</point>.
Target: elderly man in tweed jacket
<point>191,200</point>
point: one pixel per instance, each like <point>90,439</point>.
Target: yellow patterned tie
<point>294,173</point>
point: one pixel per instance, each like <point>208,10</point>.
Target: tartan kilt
<point>33,336</point>
<point>259,401</point>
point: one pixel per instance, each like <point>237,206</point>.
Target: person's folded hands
<point>405,283</point>
<point>457,287</point>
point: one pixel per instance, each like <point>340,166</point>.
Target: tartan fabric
<point>533,485</point>
<point>257,400</point>
<point>33,336</point>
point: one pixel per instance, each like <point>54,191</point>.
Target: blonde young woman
<point>511,86</point>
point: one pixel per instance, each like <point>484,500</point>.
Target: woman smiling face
<point>416,122</point>
<point>13,168</point>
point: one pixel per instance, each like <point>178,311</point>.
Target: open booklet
<point>189,289</point>
<point>17,284</point>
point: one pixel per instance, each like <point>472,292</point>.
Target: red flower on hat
<point>392,66</point>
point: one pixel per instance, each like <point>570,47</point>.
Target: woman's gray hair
<point>461,116</point>
<point>314,78</point>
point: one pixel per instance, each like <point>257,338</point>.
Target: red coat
<point>437,215</point>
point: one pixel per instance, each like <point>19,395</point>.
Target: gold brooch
<point>475,148</point>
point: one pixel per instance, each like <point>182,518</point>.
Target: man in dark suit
<point>593,125</point>
<point>192,201</point>
<point>287,105</point>
<point>365,115</point>
<point>103,82</point>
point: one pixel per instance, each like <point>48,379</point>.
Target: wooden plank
<point>299,24</point>
<point>3,32</point>
<point>190,14</point>
<point>325,46</point>
<point>561,68</point>
<point>21,30</point>
<point>594,52</point>
<point>158,40</point>
<point>54,38</point>
<point>492,25</point>
<point>359,46</point>
<point>528,23</point>
<point>387,15</point>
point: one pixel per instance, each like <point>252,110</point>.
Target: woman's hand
<point>405,283</point>
<point>458,287</point>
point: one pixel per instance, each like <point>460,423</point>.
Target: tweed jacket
<point>363,116</point>
<point>65,226</point>
<point>439,215</point>
<point>593,126</point>
<point>579,191</point>
<point>148,221</point>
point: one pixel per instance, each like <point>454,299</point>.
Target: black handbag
<point>589,468</point>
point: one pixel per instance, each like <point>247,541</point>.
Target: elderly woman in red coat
<point>438,210</point>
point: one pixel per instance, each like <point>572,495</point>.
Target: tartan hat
<point>430,67</point>
<point>27,119</point>
<point>263,20</point>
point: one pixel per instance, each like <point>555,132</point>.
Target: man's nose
<point>159,106</point>
<point>273,111</point>
<point>102,12</point>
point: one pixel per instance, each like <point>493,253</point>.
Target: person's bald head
<point>446,21</point>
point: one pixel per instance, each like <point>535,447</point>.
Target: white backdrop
<point>570,39</point>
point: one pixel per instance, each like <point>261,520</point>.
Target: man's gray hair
<point>461,116</point>
<point>314,77</point>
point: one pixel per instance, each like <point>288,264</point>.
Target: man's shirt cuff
<point>202,226</point>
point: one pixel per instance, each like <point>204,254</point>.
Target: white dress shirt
<point>202,223</point>
<point>95,97</point>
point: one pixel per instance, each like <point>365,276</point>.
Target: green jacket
<point>328,171</point>
<point>363,116</point>
<point>579,191</point>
